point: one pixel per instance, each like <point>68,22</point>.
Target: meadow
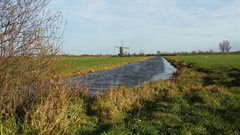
<point>197,100</point>
<point>221,69</point>
<point>71,66</point>
<point>211,62</point>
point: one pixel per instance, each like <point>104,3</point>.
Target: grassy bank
<point>187,104</point>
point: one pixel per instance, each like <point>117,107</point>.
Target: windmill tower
<point>121,49</point>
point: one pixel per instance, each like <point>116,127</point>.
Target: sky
<point>96,26</point>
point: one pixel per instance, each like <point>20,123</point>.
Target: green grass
<point>220,69</point>
<point>84,65</point>
<point>212,62</point>
<point>196,102</point>
<point>199,100</point>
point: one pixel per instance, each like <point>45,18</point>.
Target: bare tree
<point>29,37</point>
<point>224,46</point>
<point>227,46</point>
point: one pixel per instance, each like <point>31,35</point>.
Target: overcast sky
<point>96,26</point>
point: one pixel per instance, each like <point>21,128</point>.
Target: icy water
<point>132,75</point>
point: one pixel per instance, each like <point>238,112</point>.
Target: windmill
<point>121,49</point>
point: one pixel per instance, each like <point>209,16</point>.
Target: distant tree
<point>193,52</point>
<point>158,52</point>
<point>141,53</point>
<point>224,46</point>
<point>211,51</point>
<point>200,52</point>
<point>228,47</point>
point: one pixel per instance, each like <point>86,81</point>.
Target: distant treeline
<point>198,53</point>
<point>144,55</point>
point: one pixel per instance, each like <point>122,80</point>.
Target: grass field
<point>221,69</point>
<point>202,98</point>
<point>71,66</point>
<point>211,62</point>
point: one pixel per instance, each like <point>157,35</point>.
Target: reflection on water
<point>167,73</point>
<point>132,75</point>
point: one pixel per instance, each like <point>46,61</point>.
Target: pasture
<point>219,69</point>
<point>211,62</point>
<point>70,66</point>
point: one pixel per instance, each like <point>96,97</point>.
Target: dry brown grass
<point>52,109</point>
<point>123,99</point>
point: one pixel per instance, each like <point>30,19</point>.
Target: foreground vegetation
<point>187,104</point>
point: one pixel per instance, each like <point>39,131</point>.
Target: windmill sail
<point>121,49</point>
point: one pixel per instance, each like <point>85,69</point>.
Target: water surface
<point>132,75</point>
